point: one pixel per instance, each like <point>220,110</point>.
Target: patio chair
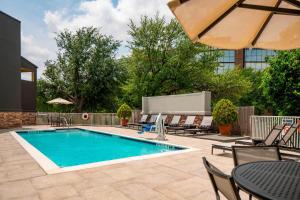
<point>272,137</point>
<point>205,126</point>
<point>152,119</point>
<point>147,126</point>
<point>221,182</point>
<point>288,136</point>
<point>153,127</point>
<point>270,140</point>
<point>142,120</point>
<point>246,154</point>
<point>164,117</point>
<point>189,123</point>
<point>175,121</point>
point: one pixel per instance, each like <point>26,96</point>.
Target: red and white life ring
<point>85,116</point>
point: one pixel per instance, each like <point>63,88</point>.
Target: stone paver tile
<point>56,179</point>
<point>16,189</point>
<point>103,192</point>
<point>141,192</point>
<point>93,174</point>
<point>170,194</point>
<point>3,177</point>
<point>153,181</point>
<point>41,182</point>
<point>122,173</point>
<point>93,182</point>
<point>177,173</point>
<point>57,192</point>
<point>35,197</point>
<point>189,187</point>
<point>75,198</point>
<point>207,195</point>
<point>18,175</point>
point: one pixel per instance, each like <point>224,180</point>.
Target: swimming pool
<point>72,147</point>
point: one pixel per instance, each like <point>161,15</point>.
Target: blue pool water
<point>70,147</point>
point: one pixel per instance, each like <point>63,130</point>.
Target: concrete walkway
<point>176,177</point>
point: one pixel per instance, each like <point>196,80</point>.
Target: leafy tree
<point>230,85</point>
<point>164,61</point>
<point>254,97</point>
<point>85,71</point>
<point>281,82</point>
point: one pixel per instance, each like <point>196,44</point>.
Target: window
<point>226,61</point>
<point>27,75</point>
<point>256,58</point>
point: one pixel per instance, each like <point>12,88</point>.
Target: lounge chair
<point>175,121</point>
<point>152,119</point>
<point>205,126</point>
<point>149,124</point>
<point>153,127</point>
<point>286,139</point>
<point>164,117</point>
<point>221,182</point>
<point>270,140</point>
<point>143,120</point>
<point>189,123</point>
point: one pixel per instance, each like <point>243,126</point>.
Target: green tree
<point>230,85</point>
<point>85,71</point>
<point>281,82</point>
<point>164,61</point>
<point>255,96</point>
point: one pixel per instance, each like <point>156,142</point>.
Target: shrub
<point>224,112</point>
<point>124,111</point>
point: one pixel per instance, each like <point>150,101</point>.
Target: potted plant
<point>124,113</point>
<point>224,115</point>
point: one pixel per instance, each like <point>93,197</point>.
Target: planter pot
<point>124,122</point>
<point>225,129</point>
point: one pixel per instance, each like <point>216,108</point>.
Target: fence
<point>242,126</point>
<point>261,126</point>
<point>76,118</point>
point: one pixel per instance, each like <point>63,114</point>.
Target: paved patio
<point>176,177</point>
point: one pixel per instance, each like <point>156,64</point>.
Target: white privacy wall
<point>194,103</point>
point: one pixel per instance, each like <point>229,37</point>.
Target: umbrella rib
<point>282,11</point>
<point>183,1</point>
<point>293,2</point>
<point>214,23</point>
<point>265,24</point>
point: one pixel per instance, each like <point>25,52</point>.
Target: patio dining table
<point>274,180</point>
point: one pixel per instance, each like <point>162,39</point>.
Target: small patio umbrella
<point>237,24</point>
<point>59,101</point>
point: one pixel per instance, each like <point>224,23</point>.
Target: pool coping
<point>51,168</point>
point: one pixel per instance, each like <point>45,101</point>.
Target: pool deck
<point>172,177</point>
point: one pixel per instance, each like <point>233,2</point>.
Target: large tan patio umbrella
<point>237,24</point>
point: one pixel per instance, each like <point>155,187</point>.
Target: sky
<point>41,19</point>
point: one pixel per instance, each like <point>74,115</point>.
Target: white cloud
<point>101,13</point>
<point>98,13</point>
<point>33,51</point>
